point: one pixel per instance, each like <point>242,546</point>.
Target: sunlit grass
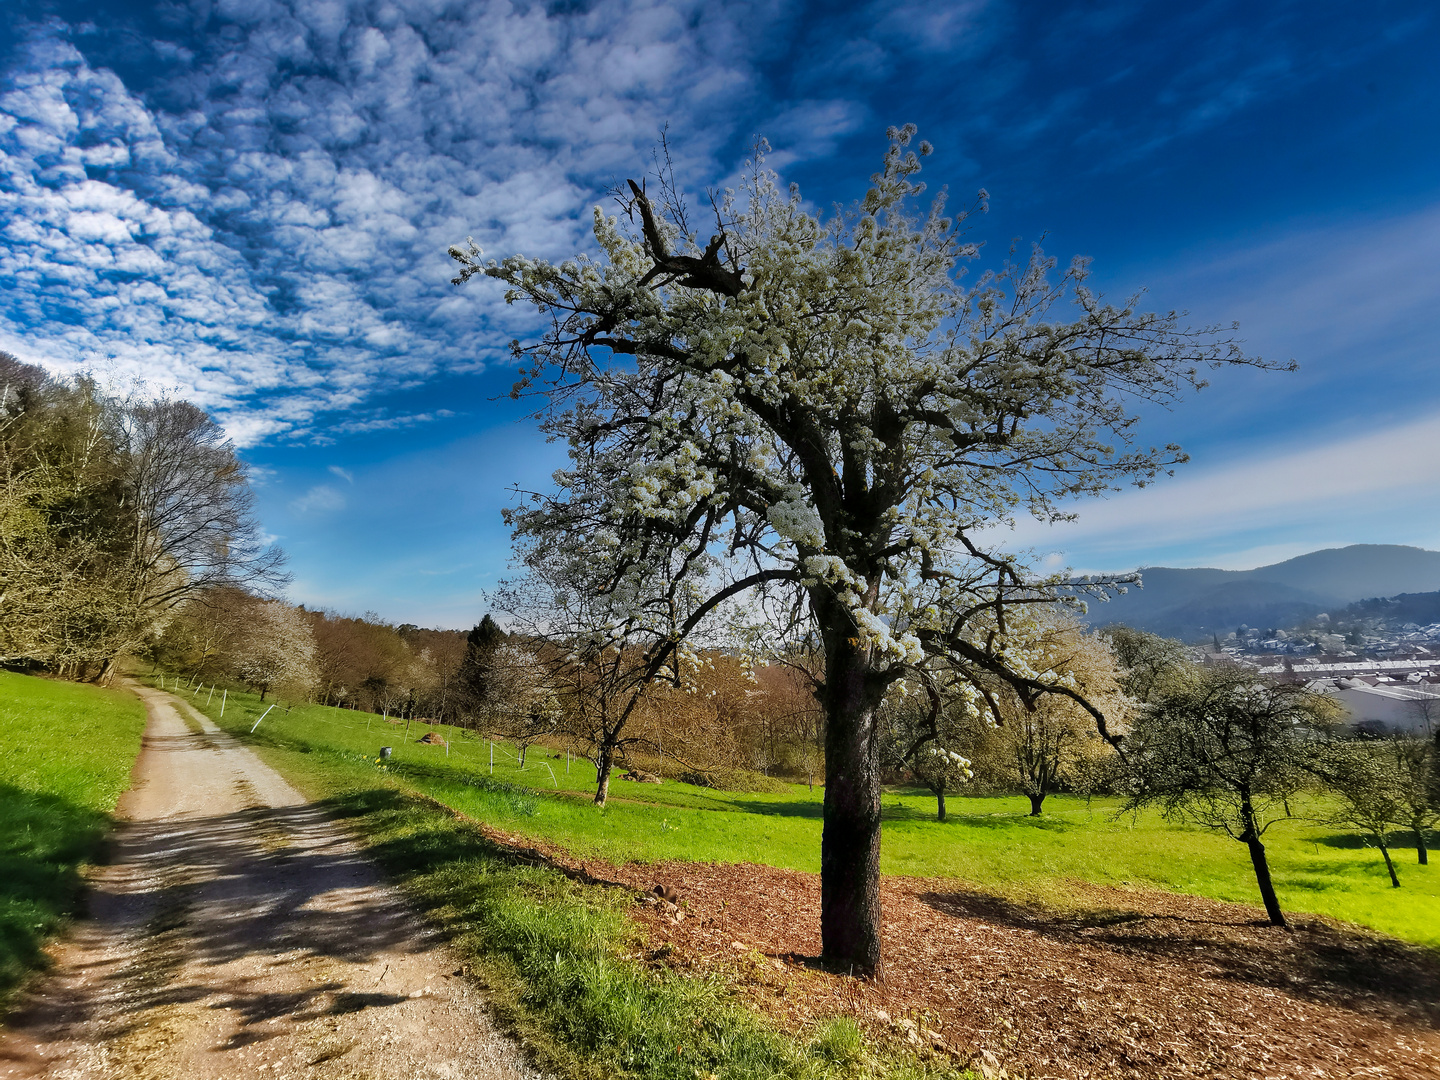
<point>991,842</point>
<point>557,958</point>
<point>66,752</point>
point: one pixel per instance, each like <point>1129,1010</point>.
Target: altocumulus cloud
<point>260,221</point>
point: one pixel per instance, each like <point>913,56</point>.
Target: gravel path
<point>236,932</point>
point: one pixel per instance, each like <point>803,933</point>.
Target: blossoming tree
<point>818,411</point>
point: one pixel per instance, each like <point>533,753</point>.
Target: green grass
<point>65,757</point>
<point>559,959</point>
<point>988,842</point>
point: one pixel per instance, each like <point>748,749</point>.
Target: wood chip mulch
<point>1130,983</point>
<point>1127,983</point>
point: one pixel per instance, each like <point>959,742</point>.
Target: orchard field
<point>989,843</point>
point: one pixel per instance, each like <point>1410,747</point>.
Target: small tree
<point>1417,779</point>
<point>603,667</point>
<point>1052,743</point>
<point>278,652</point>
<point>1369,791</point>
<point>521,705</point>
<point>941,769</point>
<point>1385,783</point>
<point>1226,749</point>
<point>925,734</point>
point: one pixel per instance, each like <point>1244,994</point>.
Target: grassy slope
<point>65,757</point>
<point>558,958</point>
<point>991,842</point>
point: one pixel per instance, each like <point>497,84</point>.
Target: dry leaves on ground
<point>1129,983</point>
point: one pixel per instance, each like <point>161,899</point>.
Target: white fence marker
<point>223,695</point>
<point>262,717</point>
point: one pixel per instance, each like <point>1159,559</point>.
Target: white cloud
<point>321,499</point>
<point>1379,487</point>
<point>344,474</point>
<point>1330,291</point>
<point>265,231</point>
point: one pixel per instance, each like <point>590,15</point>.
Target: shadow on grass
<point>1017,820</point>
<point>1399,840</point>
<point>1313,960</point>
<point>43,842</point>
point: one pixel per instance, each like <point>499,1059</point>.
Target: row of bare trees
<point>115,512</point>
<point>726,715</point>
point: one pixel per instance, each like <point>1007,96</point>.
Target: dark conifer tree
<point>477,669</point>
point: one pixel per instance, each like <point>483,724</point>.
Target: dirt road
<point>237,933</point>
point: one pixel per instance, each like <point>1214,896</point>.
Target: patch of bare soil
<point>237,932</point>
<point>1137,984</point>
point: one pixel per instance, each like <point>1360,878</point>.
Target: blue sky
<point>247,202</point>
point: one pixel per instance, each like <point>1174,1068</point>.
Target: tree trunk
<point>1389,863</point>
<point>1420,849</point>
<point>1035,801</point>
<point>1262,878</point>
<point>850,842</point>
<point>602,773</point>
<point>939,804</point>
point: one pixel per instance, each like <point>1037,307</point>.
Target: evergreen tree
<point>477,671</point>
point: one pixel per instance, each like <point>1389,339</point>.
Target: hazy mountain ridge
<point>1199,602</point>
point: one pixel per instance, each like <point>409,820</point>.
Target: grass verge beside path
<point>561,962</point>
<point>66,752</point>
<point>1317,868</point>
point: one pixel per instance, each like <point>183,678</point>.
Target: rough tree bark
<point>604,765</point>
<point>850,843</point>
<point>1389,862</point>
<point>1251,839</point>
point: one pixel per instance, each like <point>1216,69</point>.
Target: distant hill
<point>1419,608</point>
<point>1194,603</point>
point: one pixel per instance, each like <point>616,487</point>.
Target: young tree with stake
<point>819,406</point>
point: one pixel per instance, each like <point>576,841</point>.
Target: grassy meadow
<point>67,754</point>
<point>558,959</point>
<point>990,842</point>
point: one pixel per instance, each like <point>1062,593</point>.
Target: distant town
<point>1383,667</point>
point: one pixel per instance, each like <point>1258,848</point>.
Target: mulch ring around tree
<point>1131,983</point>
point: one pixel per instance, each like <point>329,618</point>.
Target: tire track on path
<point>237,932</point>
